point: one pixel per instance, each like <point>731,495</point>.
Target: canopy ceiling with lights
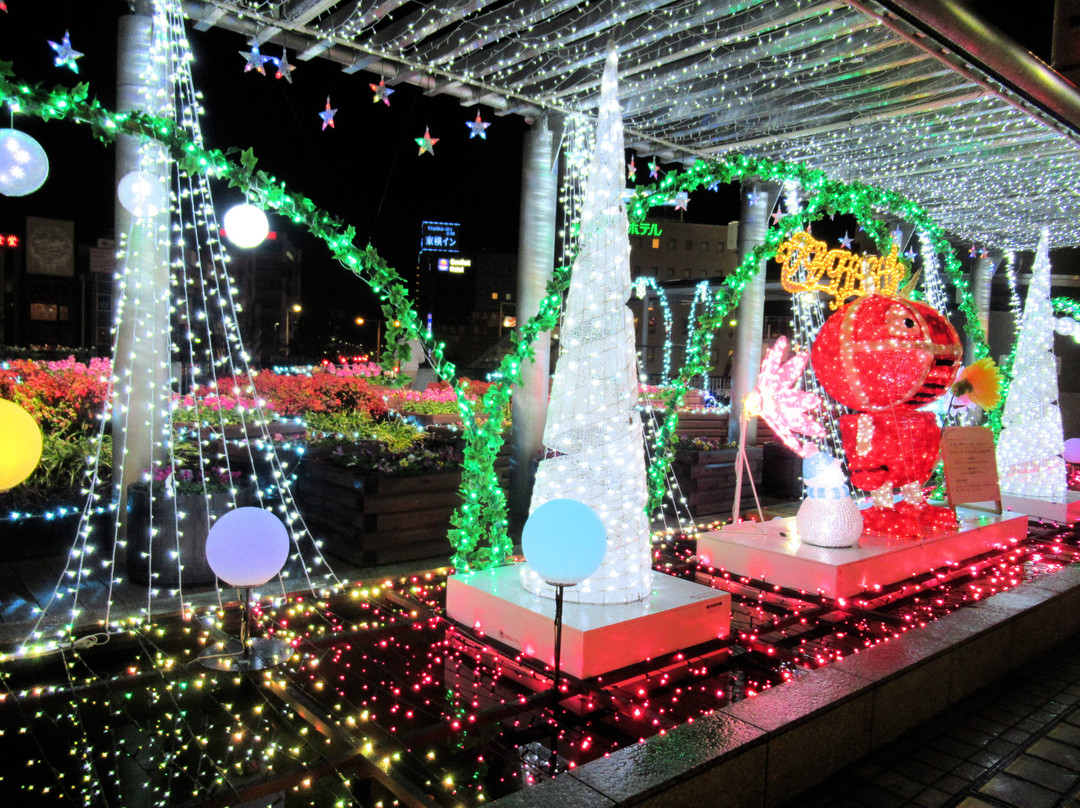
<point>914,96</point>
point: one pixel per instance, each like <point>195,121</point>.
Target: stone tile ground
<point>1012,744</point>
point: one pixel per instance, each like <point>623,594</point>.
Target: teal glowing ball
<point>564,541</point>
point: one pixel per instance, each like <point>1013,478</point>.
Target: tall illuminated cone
<point>593,433</point>
<point>1032,442</point>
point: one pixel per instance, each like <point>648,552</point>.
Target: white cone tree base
<point>596,638</point>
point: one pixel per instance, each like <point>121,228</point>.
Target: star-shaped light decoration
<point>255,59</point>
<point>477,128</point>
<point>66,55</point>
<point>715,186</point>
<point>284,68</point>
<point>682,199</point>
<point>427,142</point>
<point>845,242</point>
<point>327,116</point>
<point>654,170</point>
<point>897,235</point>
<point>909,254</point>
<point>973,251</point>
<point>776,216</point>
<point>784,408</point>
<point>631,169</point>
<point>382,92</point>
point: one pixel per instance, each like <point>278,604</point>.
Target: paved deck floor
<point>1012,744</point>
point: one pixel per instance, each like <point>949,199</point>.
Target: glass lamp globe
<point>564,541</point>
<point>24,166</point>
<point>142,194</point>
<point>246,226</point>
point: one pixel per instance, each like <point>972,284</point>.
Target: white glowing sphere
<point>247,547</point>
<point>564,541</point>
<point>24,166</point>
<point>142,194</point>
<point>246,226</point>
<point>1072,450</point>
<point>1067,326</point>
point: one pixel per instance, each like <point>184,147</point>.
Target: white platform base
<point>772,552</point>
<point>596,639</point>
<point>1067,512</point>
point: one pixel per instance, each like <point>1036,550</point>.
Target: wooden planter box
<point>707,479</point>
<point>372,518</point>
<point>715,425</point>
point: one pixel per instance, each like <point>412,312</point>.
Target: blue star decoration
<point>382,92</point>
<point>631,169</point>
<point>682,199</point>
<point>255,60</point>
<point>910,254</point>
<point>65,54</point>
<point>327,115</point>
<point>477,128</point>
<point>897,234</point>
<point>284,69</point>
<point>654,170</point>
<point>427,142</point>
<point>973,251</point>
<point>845,242</point>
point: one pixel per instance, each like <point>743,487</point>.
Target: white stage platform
<point>1067,512</point>
<point>596,639</point>
<point>774,553</point>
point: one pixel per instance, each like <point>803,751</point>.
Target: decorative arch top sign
<point>808,265</point>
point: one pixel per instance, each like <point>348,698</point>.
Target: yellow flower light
<point>980,382</point>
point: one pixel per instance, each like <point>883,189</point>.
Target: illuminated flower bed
<point>385,698</point>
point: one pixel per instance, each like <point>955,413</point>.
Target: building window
<point>720,246</point>
<point>652,325</point>
<point>686,273</point>
<point>704,246</point>
<point>656,244</point>
<point>689,245</point>
<point>654,271</point>
<point>494,295</point>
<point>671,244</point>
<point>671,272</point>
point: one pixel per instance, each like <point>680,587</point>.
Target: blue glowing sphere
<point>24,166</point>
<point>564,541</point>
<point>247,547</point>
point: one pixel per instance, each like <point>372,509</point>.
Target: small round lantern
<point>246,226</point>
<point>564,541</point>
<point>142,194</point>
<point>24,166</point>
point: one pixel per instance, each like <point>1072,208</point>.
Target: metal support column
<point>982,276</point>
<point>757,201</point>
<point>536,262</point>
<point>141,390</point>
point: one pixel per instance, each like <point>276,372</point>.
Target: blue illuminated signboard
<point>439,237</point>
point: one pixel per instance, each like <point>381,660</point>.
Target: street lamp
<point>295,309</point>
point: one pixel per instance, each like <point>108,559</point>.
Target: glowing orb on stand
<point>564,541</point>
<point>20,444</point>
<point>247,547</point>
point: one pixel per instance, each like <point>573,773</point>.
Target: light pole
<point>378,334</point>
<point>295,309</point>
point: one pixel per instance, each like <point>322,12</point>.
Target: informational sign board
<point>439,237</point>
<point>970,465</point>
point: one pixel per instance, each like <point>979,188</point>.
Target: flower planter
<point>707,479</point>
<point>182,523</point>
<point>372,518</point>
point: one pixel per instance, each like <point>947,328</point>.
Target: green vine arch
<point>479,527</point>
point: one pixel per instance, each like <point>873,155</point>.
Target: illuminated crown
<point>805,261</point>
